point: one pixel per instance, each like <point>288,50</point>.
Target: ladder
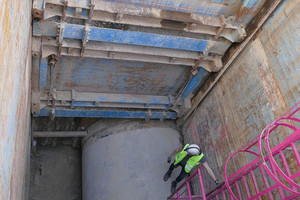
<point>264,162</point>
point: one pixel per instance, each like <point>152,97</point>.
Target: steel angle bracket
<point>91,11</point>
<point>149,114</point>
<point>85,39</point>
<point>60,34</point>
<point>163,116</point>
<point>223,25</point>
<point>194,70</point>
<point>208,47</point>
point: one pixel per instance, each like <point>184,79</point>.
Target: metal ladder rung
<point>246,186</point>
<point>286,167</point>
<point>266,182</point>
<point>238,189</point>
<point>255,183</point>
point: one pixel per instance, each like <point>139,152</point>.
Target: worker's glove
<point>169,159</point>
<point>217,182</point>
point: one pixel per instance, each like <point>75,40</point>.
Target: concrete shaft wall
<point>259,87</point>
<point>125,159</point>
<point>15,65</point>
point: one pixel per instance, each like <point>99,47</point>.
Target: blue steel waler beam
<point>107,114</point>
<point>129,37</point>
<point>195,83</point>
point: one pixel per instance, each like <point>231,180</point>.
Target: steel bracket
<point>148,116</point>
<point>119,17</point>
<point>171,100</point>
<point>194,70</point>
<point>163,116</point>
<point>78,12</point>
<point>223,25</point>
<point>111,55</point>
<point>85,39</point>
<point>217,64</point>
<point>64,9</point>
<point>208,47</point>
<point>35,102</point>
<point>241,34</point>
<point>70,51</point>
<point>192,26</point>
<point>60,34</point>
<point>91,11</point>
<point>175,106</point>
<point>172,60</point>
<point>72,98</point>
<point>36,47</point>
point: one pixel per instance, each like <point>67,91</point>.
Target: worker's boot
<point>173,187</point>
<point>167,175</point>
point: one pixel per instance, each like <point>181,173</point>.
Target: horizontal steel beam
<point>109,114</point>
<point>72,99</point>
<point>142,16</point>
<point>72,31</point>
<point>124,48</point>
<point>110,98</point>
<point>206,62</point>
<point>60,134</point>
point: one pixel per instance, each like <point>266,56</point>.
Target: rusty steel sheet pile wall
<point>15,70</point>
<point>259,87</point>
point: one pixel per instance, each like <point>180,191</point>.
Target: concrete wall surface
<point>127,159</point>
<point>259,87</point>
<point>60,175</point>
<point>15,70</point>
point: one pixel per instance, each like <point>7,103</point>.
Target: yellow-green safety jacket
<point>192,162</point>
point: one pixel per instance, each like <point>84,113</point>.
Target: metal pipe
<point>60,134</point>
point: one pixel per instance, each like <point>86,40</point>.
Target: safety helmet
<point>193,149</point>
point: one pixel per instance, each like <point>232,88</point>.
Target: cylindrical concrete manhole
<point>127,159</point>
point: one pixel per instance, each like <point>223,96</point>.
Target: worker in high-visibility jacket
<point>187,157</point>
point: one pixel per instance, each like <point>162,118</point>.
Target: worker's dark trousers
<point>182,173</point>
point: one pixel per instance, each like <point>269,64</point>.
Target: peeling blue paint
<point>107,114</point>
<point>249,3</point>
<point>195,83</point>
<point>43,73</point>
<point>130,37</point>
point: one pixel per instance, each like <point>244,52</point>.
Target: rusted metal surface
<point>203,7</point>
<point>247,11</point>
<point>88,75</point>
<point>95,49</point>
<point>280,41</point>
<point>229,57</point>
<point>15,70</point>
<point>260,86</point>
<point>124,13</point>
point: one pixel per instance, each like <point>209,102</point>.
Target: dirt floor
<point>60,175</point>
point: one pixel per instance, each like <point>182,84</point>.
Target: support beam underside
<point>108,114</point>
<point>72,31</point>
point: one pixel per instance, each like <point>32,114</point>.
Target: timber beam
<point>121,13</point>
